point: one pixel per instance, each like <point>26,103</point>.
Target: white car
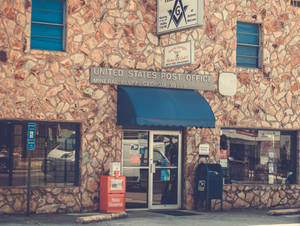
<point>60,161</point>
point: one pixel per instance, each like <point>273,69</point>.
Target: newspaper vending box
<point>112,194</point>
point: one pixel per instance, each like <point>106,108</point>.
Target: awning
<point>139,106</point>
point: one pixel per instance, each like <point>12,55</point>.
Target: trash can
<point>112,194</point>
<point>209,183</point>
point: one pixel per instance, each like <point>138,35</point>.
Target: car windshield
<point>159,158</point>
<point>67,144</point>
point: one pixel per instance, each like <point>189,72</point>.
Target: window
<point>48,24</point>
<point>54,161</point>
<point>259,156</point>
<point>295,3</point>
<point>248,45</point>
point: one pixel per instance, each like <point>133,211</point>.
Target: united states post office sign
<point>174,15</point>
<point>159,79</point>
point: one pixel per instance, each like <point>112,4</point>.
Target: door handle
<point>152,168</point>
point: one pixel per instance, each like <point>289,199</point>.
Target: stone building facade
<point>42,85</point>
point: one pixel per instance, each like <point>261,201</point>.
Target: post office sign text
<point>130,77</point>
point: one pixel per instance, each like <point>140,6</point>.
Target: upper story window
<point>295,3</point>
<point>48,25</point>
<point>248,51</point>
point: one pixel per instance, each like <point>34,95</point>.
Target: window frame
<point>295,3</point>
<point>62,25</point>
<point>294,143</point>
<point>42,149</point>
<point>257,46</point>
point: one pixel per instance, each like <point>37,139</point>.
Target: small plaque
<point>179,54</point>
<point>204,149</point>
<point>174,15</point>
<point>227,84</point>
<point>201,185</point>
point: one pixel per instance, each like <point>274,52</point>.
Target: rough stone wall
<point>194,137</point>
<point>256,196</point>
<point>12,200</point>
<point>54,86</point>
<point>260,196</point>
<point>298,159</point>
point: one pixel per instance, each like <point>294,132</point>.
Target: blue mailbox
<point>209,183</point>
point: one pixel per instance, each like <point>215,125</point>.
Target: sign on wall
<point>174,15</point>
<point>179,54</point>
<point>227,83</point>
<point>159,79</point>
<point>223,158</point>
<point>204,149</point>
<point>31,136</point>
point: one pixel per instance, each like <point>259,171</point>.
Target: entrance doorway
<point>151,162</point>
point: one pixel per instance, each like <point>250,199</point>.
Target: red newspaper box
<point>112,194</point>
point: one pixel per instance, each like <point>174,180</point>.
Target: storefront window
<point>54,160</point>
<point>258,156</point>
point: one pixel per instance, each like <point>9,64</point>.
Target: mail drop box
<point>112,194</point>
<point>209,183</point>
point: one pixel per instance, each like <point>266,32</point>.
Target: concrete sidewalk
<point>241,217</point>
<point>100,217</point>
<point>278,212</point>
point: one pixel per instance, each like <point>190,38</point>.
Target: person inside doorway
<point>172,151</point>
<point>169,195</point>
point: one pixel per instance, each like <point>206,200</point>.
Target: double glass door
<point>152,166</point>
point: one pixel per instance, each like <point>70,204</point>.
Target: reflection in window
<point>259,156</point>
<point>13,164</point>
<point>295,3</point>
<point>59,163</point>
<point>135,148</point>
<point>54,161</point>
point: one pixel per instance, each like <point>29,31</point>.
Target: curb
<point>283,212</point>
<point>100,217</point>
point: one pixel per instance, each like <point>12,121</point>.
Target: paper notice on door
<point>135,159</point>
<point>165,175</point>
<point>116,185</point>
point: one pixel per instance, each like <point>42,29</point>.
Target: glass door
<point>151,162</point>
<point>135,166</point>
<point>164,169</point>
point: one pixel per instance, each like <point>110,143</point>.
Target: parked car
<point>60,161</point>
<point>4,159</point>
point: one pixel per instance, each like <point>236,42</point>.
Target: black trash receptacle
<point>209,183</point>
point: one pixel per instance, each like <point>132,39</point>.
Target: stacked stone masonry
<point>54,86</point>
